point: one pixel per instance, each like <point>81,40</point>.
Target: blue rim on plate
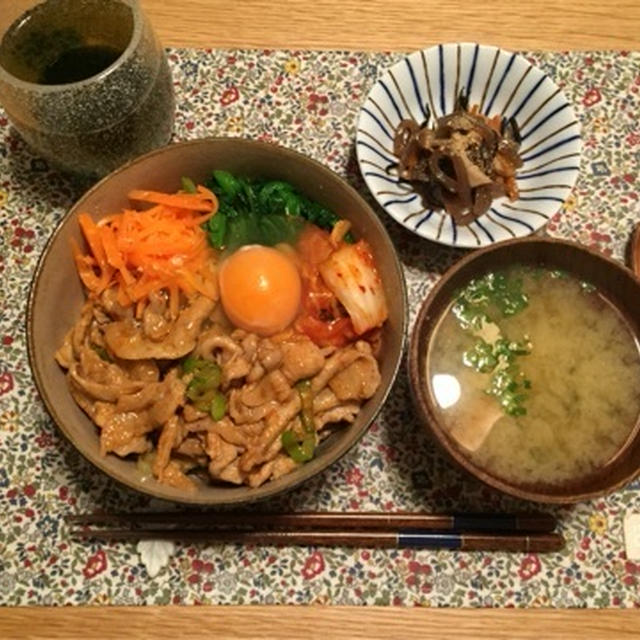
<point>500,82</point>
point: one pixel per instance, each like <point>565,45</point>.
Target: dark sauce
<point>78,63</point>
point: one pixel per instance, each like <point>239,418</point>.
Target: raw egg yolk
<point>260,289</point>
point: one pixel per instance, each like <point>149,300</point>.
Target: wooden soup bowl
<point>614,281</point>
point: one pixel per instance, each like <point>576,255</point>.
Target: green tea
<point>78,64</point>
<point>536,375</point>
<point>63,41</point>
<point>87,84</point>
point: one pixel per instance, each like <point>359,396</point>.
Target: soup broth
<point>535,375</point>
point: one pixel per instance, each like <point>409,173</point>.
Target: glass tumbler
<point>85,82</point>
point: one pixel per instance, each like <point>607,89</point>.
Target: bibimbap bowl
<point>57,296</point>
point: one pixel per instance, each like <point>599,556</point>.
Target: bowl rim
<point>398,218</point>
<point>240,495</point>
<point>422,400</point>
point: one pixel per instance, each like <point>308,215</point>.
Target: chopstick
<point>537,542</point>
<point>634,250</point>
<point>529,532</point>
<point>527,522</point>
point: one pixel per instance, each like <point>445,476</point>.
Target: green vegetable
<point>202,368</point>
<point>306,400</point>
<point>302,451</point>
<point>279,197</point>
<point>199,394</point>
<point>217,406</point>
<point>190,363</point>
<point>507,382</point>
<point>490,296</point>
<point>480,357</point>
<point>242,230</point>
<point>217,227</point>
<point>494,291</point>
<point>299,452</point>
<point>188,185</point>
<point>507,386</point>
<point>321,216</point>
<point>229,186</point>
<point>203,386</point>
<point>261,211</point>
<point>508,349</point>
<point>102,352</point>
<point>276,228</point>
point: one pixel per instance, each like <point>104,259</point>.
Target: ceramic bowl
<point>56,296</point>
<point>614,281</point>
<point>500,82</point>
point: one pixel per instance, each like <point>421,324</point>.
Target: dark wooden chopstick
<point>487,532</point>
<point>518,522</point>
<point>536,542</point>
<point>634,250</point>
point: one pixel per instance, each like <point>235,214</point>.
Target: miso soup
<point>535,375</point>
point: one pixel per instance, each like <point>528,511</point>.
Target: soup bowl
<point>57,295</point>
<point>616,283</point>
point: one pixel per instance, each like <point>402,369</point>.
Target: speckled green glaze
<point>94,125</point>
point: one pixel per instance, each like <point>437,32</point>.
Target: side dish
<point>462,163</point>
<point>228,328</point>
<point>535,375</point>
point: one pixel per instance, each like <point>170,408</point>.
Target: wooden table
<point>357,24</point>
<point>396,24</point>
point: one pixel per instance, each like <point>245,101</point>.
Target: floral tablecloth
<point>307,101</point>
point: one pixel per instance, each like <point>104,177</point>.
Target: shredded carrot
<point>91,233</point>
<point>159,248</point>
<point>202,200</point>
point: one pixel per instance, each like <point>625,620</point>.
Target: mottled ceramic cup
<point>91,125</point>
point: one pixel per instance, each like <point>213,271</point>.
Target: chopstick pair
<point>470,532</point>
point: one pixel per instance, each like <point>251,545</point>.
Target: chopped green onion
<point>189,364</point>
<point>202,387</point>
<point>206,371</point>
<point>306,400</point>
<point>480,357</point>
<point>102,352</point>
<point>302,451</point>
<point>198,391</point>
<point>298,452</point>
<point>188,185</point>
<point>477,306</point>
<point>217,405</point>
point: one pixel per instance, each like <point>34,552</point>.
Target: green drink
<point>86,83</point>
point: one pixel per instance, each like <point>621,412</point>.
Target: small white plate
<point>500,82</point>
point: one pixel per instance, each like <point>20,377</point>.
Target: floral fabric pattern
<point>307,101</point>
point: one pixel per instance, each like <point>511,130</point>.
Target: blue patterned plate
<point>499,82</point>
